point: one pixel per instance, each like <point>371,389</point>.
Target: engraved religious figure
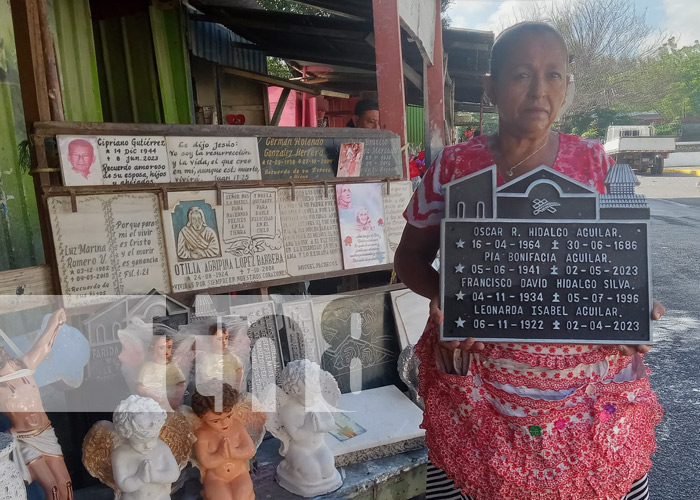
<point>196,240</point>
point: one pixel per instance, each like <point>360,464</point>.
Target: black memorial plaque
<point>381,156</point>
<point>310,158</point>
<point>298,158</point>
<point>528,276</point>
<point>565,281</point>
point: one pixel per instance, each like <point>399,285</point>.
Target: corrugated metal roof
<point>216,43</point>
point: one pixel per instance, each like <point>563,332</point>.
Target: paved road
<point>675,360</point>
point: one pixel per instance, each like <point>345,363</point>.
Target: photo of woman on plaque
<point>519,421</point>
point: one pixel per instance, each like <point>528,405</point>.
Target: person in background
<point>366,114</point>
<point>524,421</point>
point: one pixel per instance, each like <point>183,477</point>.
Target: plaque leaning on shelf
<point>545,258</point>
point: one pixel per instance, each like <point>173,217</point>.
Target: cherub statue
<point>144,467</point>
<point>301,423</point>
<point>223,445</point>
<point>154,359</point>
<point>104,437</point>
<point>37,452</point>
<point>216,361</point>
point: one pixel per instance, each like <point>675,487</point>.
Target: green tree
<point>681,97</point>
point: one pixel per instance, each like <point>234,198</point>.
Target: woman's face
<point>363,217</point>
<point>345,194</point>
<point>531,86</point>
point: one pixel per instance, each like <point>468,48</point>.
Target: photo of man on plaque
<point>80,165</point>
<point>194,223</point>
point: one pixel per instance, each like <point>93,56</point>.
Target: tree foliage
<point>681,97</point>
<point>610,42</point>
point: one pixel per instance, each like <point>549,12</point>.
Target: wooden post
<point>26,21</point>
<point>390,83</point>
<point>53,80</point>
<point>434,95</point>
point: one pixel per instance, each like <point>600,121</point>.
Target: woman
<point>504,421</point>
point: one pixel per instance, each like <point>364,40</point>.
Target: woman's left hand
<point>657,312</point>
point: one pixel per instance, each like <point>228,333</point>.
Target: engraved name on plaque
<point>544,258</point>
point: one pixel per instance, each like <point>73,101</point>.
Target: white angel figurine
<point>143,465</point>
<point>304,416</point>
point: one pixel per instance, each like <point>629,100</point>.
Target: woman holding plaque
<point>524,421</point>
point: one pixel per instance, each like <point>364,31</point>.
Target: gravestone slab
<point>201,159</point>
<point>357,339</point>
<point>112,245</point>
<point>310,230</point>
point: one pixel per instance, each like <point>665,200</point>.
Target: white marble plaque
<point>394,205</point>
<point>133,159</point>
<point>80,161</point>
<point>112,245</point>
<point>300,327</point>
<point>411,312</point>
<point>361,217</point>
<point>200,159</point>
<point>211,246</point>
<point>310,230</point>
<point>252,234</point>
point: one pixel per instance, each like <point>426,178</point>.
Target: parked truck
<point>636,146</point>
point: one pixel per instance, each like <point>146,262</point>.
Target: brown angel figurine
<point>223,446</point>
<point>38,453</point>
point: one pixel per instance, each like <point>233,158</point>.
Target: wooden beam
<point>408,72</point>
<point>52,78</point>
<point>390,79</point>
<point>280,106</point>
<point>27,281</point>
<point>271,80</point>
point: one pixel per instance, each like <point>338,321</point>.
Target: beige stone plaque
<point>112,245</point>
<point>133,159</point>
<point>310,230</point>
<point>197,159</point>
<point>394,206</point>
<point>211,246</point>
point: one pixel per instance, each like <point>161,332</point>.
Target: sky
<point>680,18</point>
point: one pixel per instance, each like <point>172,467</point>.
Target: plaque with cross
<point>545,258</point>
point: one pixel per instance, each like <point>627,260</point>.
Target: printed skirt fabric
<point>540,421</point>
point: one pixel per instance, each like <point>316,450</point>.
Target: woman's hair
<point>201,405</point>
<point>129,418</point>
<point>510,37</point>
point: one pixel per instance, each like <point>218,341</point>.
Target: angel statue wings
<point>304,416</point>
<point>155,361</point>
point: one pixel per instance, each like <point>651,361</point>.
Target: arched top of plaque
<point>542,194</point>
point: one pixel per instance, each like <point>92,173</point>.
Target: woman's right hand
<point>446,355</point>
